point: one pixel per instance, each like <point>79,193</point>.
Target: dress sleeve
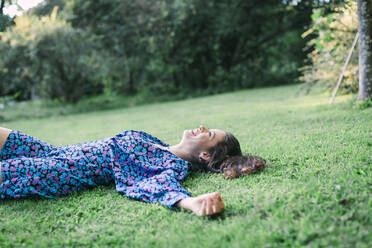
<point>163,188</point>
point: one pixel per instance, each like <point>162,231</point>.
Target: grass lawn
<point>317,192</point>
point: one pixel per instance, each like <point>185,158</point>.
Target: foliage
<point>335,35</point>
<point>176,48</point>
<point>5,21</point>
<point>224,45</point>
<point>186,46</point>
<point>46,7</point>
<point>316,194</point>
<point>128,31</point>
<point>48,57</point>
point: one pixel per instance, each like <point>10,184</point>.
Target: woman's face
<point>202,139</point>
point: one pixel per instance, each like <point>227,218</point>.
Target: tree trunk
<point>365,49</point>
<point>2,7</point>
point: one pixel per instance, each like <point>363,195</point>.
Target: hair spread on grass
<point>226,157</point>
<point>242,165</point>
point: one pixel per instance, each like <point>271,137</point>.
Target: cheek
<point>196,146</point>
<point>205,143</point>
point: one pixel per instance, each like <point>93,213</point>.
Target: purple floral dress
<point>140,169</point>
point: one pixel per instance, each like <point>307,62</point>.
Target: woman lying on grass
<point>142,166</point>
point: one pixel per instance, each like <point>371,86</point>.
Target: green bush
<point>47,57</point>
<point>174,48</point>
<point>334,36</point>
<point>15,78</point>
<point>5,21</point>
<point>188,46</point>
<point>130,32</point>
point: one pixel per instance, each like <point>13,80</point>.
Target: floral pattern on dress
<point>139,168</point>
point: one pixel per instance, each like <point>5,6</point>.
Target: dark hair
<point>226,157</point>
<point>227,148</point>
<point>242,165</point>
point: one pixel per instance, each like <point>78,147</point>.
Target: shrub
<point>47,57</point>
<point>5,21</point>
<point>335,35</point>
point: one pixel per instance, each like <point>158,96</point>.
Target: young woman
<point>141,166</point>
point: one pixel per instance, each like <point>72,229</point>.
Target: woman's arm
<point>4,133</point>
<point>202,205</point>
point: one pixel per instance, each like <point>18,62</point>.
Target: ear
<point>205,156</point>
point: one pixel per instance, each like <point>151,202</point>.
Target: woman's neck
<point>179,152</point>
<point>176,150</point>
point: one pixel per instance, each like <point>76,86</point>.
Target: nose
<point>203,129</point>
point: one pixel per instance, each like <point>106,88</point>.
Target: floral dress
<point>132,160</point>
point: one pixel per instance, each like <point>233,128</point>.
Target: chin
<point>186,135</point>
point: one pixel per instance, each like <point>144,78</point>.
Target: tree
<point>365,49</point>
<point>46,7</point>
<point>224,45</point>
<point>2,5</point>
<point>48,56</point>
<point>128,29</point>
<point>5,21</point>
<point>332,35</point>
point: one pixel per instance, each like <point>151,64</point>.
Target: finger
<point>208,206</point>
<point>220,205</point>
<point>214,205</point>
<point>219,197</point>
<point>201,209</point>
<point>211,205</point>
<point>205,210</point>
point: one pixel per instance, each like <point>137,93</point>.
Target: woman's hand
<point>203,205</point>
<point>208,204</point>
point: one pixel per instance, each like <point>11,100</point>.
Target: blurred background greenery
<point>68,51</point>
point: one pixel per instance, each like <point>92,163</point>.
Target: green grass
<point>317,193</point>
<point>41,108</point>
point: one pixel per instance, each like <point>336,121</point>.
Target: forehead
<point>220,135</point>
